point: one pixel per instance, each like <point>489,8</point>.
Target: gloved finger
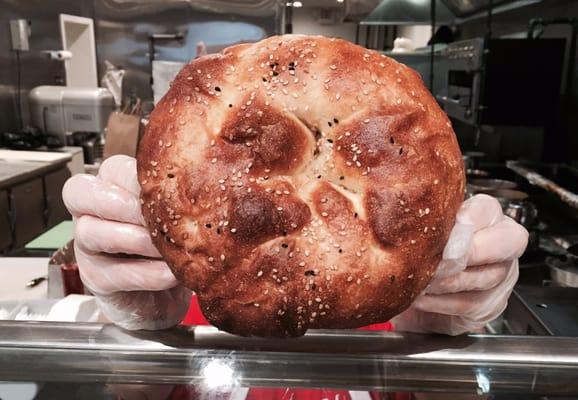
<point>455,253</point>
<point>482,277</point>
<point>120,170</point>
<point>146,309</point>
<point>88,195</point>
<point>476,213</point>
<point>481,211</point>
<point>104,274</point>
<point>456,325</point>
<point>459,242</point>
<point>503,241</point>
<point>412,320</point>
<point>473,305</point>
<point>101,236</point>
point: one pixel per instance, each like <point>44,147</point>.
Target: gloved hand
<point>117,261</point>
<point>476,275</point>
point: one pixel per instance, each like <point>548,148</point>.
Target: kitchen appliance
<point>61,110</point>
<point>503,81</point>
<point>420,61</point>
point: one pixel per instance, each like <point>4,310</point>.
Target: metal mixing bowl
<point>482,184</point>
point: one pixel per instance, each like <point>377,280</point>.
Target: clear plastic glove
<point>476,275</point>
<point>117,261</point>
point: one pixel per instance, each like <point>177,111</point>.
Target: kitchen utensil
<point>524,213</point>
<point>475,154</point>
<point>553,245</point>
<point>572,252</point>
<point>472,159</point>
<point>537,179</point>
<point>563,272</point>
<point>491,184</point>
<point>36,281</point>
<point>515,205</point>
<point>564,266</point>
<point>476,173</point>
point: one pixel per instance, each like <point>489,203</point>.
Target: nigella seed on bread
<point>309,183</point>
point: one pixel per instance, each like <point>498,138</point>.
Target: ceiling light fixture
<point>297,4</point>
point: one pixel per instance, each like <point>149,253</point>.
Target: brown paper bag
<point>122,133</point>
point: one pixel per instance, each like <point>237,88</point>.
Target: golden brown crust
<point>300,182</point>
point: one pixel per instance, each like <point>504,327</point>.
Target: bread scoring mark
<point>337,210</point>
<point>375,140</point>
<point>259,215</point>
<point>276,140</point>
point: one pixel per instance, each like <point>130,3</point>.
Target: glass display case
<point>86,360</point>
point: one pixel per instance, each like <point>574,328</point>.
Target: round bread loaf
<point>300,182</point>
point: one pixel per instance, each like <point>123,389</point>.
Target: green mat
<point>54,238</point>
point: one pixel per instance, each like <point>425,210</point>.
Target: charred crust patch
<point>259,216</point>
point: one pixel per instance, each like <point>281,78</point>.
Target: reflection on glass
<point>218,374</point>
<point>483,382</point>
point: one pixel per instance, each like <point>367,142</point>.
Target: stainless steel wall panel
<point>36,68</point>
<point>122,29</point>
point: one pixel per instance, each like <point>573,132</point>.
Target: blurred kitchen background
<point>78,78</point>
<point>125,32</point>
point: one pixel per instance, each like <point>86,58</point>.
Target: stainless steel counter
<point>16,171</point>
<point>355,360</point>
<point>30,195</point>
<point>16,272</point>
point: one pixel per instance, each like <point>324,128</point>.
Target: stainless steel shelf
<point>355,360</point>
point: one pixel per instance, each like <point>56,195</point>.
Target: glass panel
<point>203,357</point>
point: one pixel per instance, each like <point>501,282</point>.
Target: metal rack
<point>355,360</point>
<point>536,179</point>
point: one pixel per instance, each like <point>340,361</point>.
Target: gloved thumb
<point>455,255</point>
